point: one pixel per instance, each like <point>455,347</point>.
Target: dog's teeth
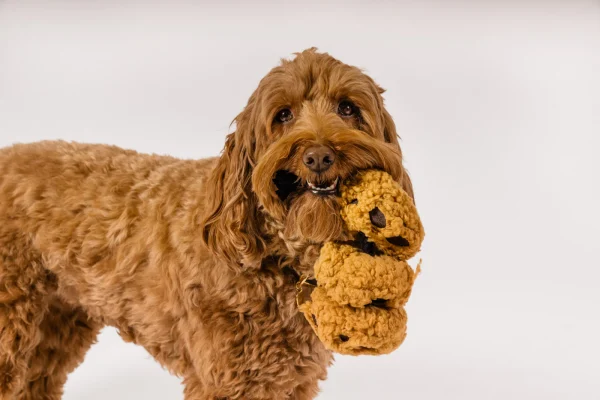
<point>317,189</point>
<point>332,185</point>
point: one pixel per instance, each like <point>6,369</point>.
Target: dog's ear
<point>390,135</point>
<point>389,129</point>
<point>231,229</point>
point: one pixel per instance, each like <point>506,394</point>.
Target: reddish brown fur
<point>184,257</point>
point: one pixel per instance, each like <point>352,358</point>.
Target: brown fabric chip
<point>377,218</point>
<point>398,241</point>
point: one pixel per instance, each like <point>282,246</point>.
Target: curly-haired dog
<point>194,260</point>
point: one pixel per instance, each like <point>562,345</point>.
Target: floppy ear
<point>389,129</point>
<point>390,135</point>
<point>231,229</point>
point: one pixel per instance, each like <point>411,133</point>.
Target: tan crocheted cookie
<point>363,285</point>
<point>352,277</point>
<point>354,330</point>
<point>377,206</point>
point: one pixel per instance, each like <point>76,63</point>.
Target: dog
<point>195,260</point>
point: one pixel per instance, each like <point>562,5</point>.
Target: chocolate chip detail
<point>398,241</point>
<point>363,244</point>
<point>377,218</point>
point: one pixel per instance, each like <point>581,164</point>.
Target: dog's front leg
<point>249,342</point>
<point>239,356</point>
<point>306,391</point>
<point>193,388</point>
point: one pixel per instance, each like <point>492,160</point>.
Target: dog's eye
<point>284,116</point>
<point>347,109</point>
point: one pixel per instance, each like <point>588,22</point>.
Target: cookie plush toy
<point>357,302</point>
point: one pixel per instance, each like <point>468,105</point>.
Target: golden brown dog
<point>194,260</point>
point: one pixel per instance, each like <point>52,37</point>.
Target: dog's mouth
<point>288,183</point>
<point>323,188</point>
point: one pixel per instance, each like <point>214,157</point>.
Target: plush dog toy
<point>360,288</point>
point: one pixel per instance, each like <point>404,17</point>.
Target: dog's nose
<point>318,158</point>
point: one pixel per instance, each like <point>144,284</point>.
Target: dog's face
<point>311,123</point>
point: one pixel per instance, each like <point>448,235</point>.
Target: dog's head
<point>311,123</point>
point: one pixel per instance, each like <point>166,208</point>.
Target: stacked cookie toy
<point>357,304</point>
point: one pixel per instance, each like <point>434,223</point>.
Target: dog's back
<point>78,205</point>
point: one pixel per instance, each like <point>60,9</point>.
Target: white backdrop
<point>498,106</point>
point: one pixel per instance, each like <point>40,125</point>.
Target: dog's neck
<point>299,254</point>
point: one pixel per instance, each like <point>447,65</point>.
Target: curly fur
<point>184,257</point>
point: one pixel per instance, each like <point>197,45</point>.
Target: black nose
<point>318,158</point>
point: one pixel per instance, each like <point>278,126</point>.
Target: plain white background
<point>498,107</point>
